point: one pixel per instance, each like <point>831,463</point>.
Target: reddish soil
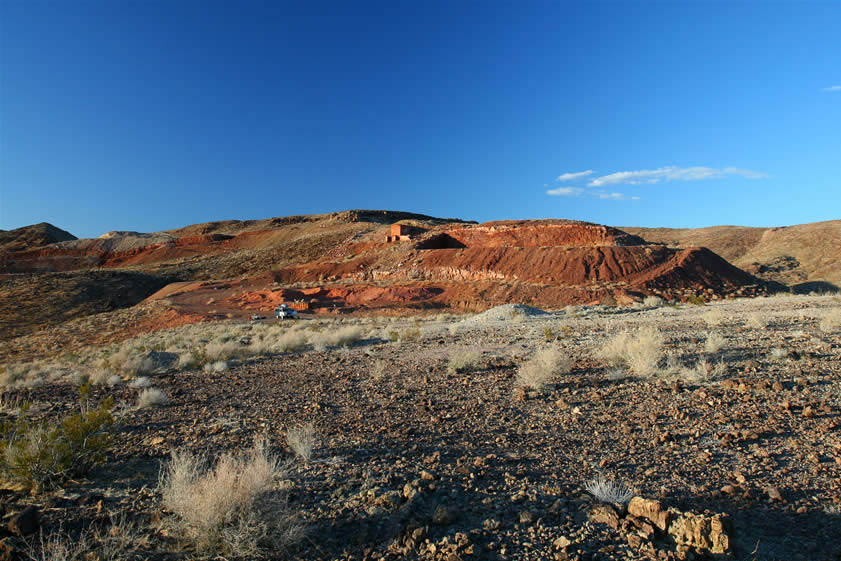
<point>473,267</point>
<point>342,262</point>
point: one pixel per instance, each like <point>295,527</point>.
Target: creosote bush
<point>44,454</point>
<point>542,369</point>
<point>230,506</point>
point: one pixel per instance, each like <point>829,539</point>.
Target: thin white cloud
<point>579,191</point>
<point>671,173</point>
<point>566,191</point>
<point>831,89</point>
<point>576,175</point>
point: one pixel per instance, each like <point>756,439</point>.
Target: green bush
<point>42,455</point>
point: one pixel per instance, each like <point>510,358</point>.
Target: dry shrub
<point>609,491</point>
<point>640,350</point>
<point>543,368</point>
<point>714,343</point>
<point>652,301</point>
<point>830,320</point>
<point>152,397</point>
<point>232,506</point>
<point>225,351</point>
<point>463,361</point>
<point>218,366</point>
<point>303,441</point>
<point>714,317</point>
<point>378,370</point>
<point>756,320</point>
<point>342,337</point>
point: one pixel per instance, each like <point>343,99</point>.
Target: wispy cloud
<point>576,175</point>
<point>831,89</point>
<point>671,173</point>
<point>579,191</point>
<point>566,191</point>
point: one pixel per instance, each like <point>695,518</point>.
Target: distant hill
<point>805,256</point>
<point>31,237</point>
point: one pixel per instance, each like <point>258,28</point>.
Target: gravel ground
<point>416,462</point>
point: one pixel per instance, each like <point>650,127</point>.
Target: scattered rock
<point>651,510</point>
<point>603,514</point>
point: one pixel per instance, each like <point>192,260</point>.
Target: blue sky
<point>152,115</point>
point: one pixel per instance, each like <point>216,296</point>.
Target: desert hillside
<point>30,237</point>
<point>360,261</point>
<point>805,254</point>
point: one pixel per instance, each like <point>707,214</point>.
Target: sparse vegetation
<point>152,397</point>
<point>608,490</point>
<point>42,455</point>
<point>230,506</point>
<point>714,317</point>
<point>830,320</point>
<point>542,369</point>
<point>714,343</point>
<point>463,360</point>
<point>640,350</point>
<point>302,440</point>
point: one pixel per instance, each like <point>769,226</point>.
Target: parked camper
<point>285,312</point>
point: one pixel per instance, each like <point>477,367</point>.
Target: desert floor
<point>416,460</point>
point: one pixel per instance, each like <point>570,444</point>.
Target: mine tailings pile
<point>551,263</point>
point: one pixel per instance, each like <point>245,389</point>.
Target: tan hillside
<point>805,253</point>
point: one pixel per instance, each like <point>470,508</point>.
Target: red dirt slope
<point>550,263</point>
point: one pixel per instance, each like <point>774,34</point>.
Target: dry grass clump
<point>464,360</point>
<point>714,343</point>
<point>609,491</point>
<point>756,320</point>
<point>218,366</point>
<point>142,382</point>
<point>152,397</point>
<point>342,337</point>
<point>225,351</point>
<point>830,320</point>
<point>110,543</point>
<point>378,370</point>
<point>543,369</point>
<point>231,506</point>
<point>714,317</point>
<point>303,441</point>
<point>289,342</point>
<point>640,350</point>
<point>652,301</point>
<point>776,353</point>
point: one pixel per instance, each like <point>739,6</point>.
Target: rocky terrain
<point>426,443</point>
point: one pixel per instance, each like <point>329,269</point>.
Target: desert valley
<point>521,389</point>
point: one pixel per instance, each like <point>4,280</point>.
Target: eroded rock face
<point>701,531</point>
<point>705,532</point>
<point>651,510</point>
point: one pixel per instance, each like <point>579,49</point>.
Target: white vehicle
<point>285,312</point>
